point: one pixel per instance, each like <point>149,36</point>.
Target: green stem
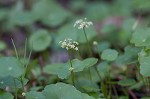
<point>88,44</point>
<point>72,73</point>
<point>15,48</point>
<point>98,52</point>
<point>90,75</point>
<point>103,86</point>
<point>16,93</point>
<point>115,91</point>
<point>110,86</point>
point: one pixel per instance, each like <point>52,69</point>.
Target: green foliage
<point>103,68</point>
<point>103,46</point>
<point>62,69</point>
<point>129,56</point>
<point>64,91</point>
<point>127,82</point>
<point>144,64</point>
<point>11,82</point>
<point>34,95</point>
<point>109,55</point>
<point>10,67</point>
<point>5,95</point>
<point>95,75</point>
<point>58,91</point>
<point>141,37</point>
<point>40,40</point>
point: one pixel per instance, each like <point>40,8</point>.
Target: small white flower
<point>76,48</point>
<point>71,69</point>
<point>69,44</point>
<point>82,23</point>
<point>23,94</point>
<point>95,43</point>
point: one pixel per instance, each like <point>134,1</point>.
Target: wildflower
<point>82,23</point>
<point>95,43</point>
<point>23,94</point>
<point>69,44</point>
<point>71,69</point>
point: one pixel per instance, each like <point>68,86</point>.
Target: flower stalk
<point>88,44</point>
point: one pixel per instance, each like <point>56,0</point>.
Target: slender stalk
<point>25,47</point>
<point>27,63</point>
<point>149,84</point>
<point>15,48</point>
<point>88,44</point>
<point>98,51</point>
<point>72,73</point>
<point>110,86</point>
<point>16,93</point>
<point>90,75</point>
<point>115,91</point>
<point>103,86</point>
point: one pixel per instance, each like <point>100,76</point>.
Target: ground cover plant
<point>74,49</point>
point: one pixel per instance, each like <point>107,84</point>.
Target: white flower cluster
<point>69,44</point>
<point>82,23</point>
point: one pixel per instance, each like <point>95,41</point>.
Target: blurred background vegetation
<point>113,20</point>
<point>45,22</point>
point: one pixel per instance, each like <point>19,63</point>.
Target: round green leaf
<point>40,40</point>
<point>109,55</point>
<point>63,91</point>
<point>9,82</point>
<point>90,62</point>
<point>10,66</point>
<point>126,82</point>
<point>34,95</point>
<point>6,95</point>
<point>141,37</point>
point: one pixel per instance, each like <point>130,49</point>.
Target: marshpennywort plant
<point>70,45</point>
